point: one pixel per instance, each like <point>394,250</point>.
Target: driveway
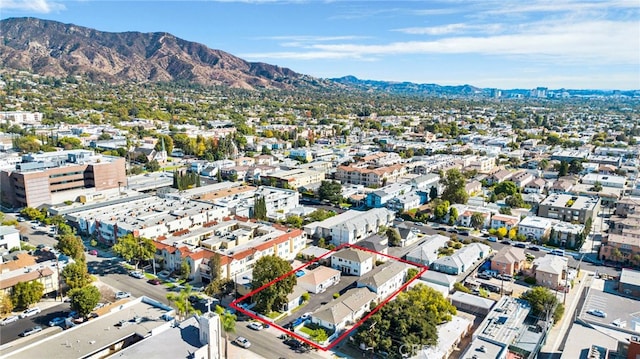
<point>317,300</point>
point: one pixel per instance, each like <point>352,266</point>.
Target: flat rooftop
<point>97,334</point>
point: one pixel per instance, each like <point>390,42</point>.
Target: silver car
<point>9,320</point>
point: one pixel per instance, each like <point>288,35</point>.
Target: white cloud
<point>39,6</point>
<point>450,29</point>
<point>588,42</point>
<point>560,6</point>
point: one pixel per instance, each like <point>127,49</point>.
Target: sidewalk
<point>558,331</point>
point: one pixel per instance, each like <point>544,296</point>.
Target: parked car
<point>136,274</point>
<point>243,342</point>
<point>30,312</point>
<point>93,252</point>
<point>154,281</point>
<point>9,320</point>
<point>293,343</point>
<point>534,248</point>
<point>30,331</point>
<point>57,321</point>
<point>492,239</point>
<point>255,326</point>
<point>484,276</point>
<point>506,241</point>
<point>597,313</point>
<point>520,245</point>
<point>122,295</point>
<point>164,274</point>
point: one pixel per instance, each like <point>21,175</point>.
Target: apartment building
<point>371,177</point>
<point>350,226</point>
<point>279,202</point>
<point>569,208</point>
<point>293,179</point>
<point>149,217</point>
<point>58,176</point>
<point>535,227</point>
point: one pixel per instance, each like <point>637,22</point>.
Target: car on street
<point>9,320</point>
<point>534,248</point>
<point>136,274</point>
<point>484,276</point>
<point>520,245</point>
<point>597,313</point>
<point>492,239</point>
<point>30,312</point>
<point>306,315</point>
<point>243,342</point>
<point>57,321</point>
<point>255,326</point>
<point>93,252</point>
<point>506,241</point>
<point>154,281</point>
<point>122,295</point>
<point>31,331</point>
<point>293,343</point>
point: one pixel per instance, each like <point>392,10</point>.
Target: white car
<point>9,320</point>
<point>30,331</point>
<point>243,342</point>
<point>122,295</point>
<point>30,312</point>
<point>136,274</point>
<point>255,326</point>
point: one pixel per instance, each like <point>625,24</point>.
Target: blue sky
<point>489,43</point>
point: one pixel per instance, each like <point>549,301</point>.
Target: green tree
<point>507,187</point>
<point>543,302</point>
<point>228,324</point>
<point>152,166</point>
<point>70,143</point>
<point>331,191</point>
<point>394,236</point>
<point>272,297</point>
<point>477,220</point>
<point>32,213</point>
<point>319,335</point>
<point>71,245</point>
<point>181,302</point>
<point>84,299</point>
<point>505,210</point>
<point>543,164</point>
<point>422,309</point>
<point>294,221</point>
<point>564,169</point>
<point>76,275</point>
<point>411,273</point>
<point>433,193</point>
<point>185,269</point>
<point>260,208</point>
<point>135,249</point>
<point>515,201</point>
<point>320,215</point>
<point>575,167</point>
<point>597,187</point>
<point>501,232</point>
<point>453,215</point>
<point>454,187</point>
<point>26,293</point>
<point>441,209</point>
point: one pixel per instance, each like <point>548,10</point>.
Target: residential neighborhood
<point>514,223</point>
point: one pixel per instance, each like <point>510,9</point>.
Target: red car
<point>93,252</point>
<point>154,281</point>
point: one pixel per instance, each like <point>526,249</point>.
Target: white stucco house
<point>352,261</point>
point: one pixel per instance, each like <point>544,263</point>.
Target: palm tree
<point>228,322</point>
<point>181,302</point>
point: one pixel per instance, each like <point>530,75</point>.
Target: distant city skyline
<point>491,43</point>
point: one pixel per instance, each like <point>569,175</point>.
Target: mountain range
<point>52,48</point>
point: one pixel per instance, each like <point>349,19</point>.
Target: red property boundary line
<point>235,304</point>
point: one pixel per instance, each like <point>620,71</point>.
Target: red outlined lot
<point>236,303</point>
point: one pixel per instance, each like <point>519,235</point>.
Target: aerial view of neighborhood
<point>192,204</point>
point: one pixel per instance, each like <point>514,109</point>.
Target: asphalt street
<point>12,331</point>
